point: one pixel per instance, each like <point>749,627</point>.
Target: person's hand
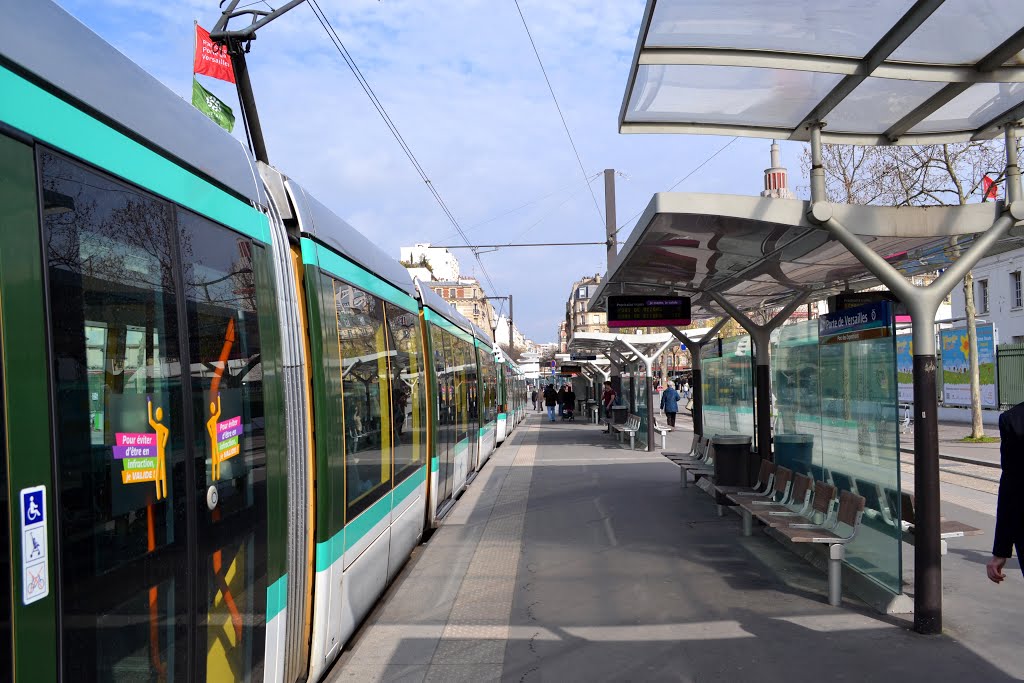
<point>995,569</point>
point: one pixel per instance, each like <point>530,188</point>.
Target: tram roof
<point>758,252</point>
<point>317,220</point>
<point>431,299</point>
<point>874,71</point>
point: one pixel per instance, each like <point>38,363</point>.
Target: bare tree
<point>949,174</point>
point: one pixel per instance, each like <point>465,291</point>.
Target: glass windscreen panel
<point>362,338</point>
<point>728,390</point>
<point>810,26</point>
<point>859,431</point>
<point>728,95</point>
<point>836,401</point>
<point>408,378</point>
<point>119,410</point>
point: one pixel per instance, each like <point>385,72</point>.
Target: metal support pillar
<point>761,334</point>
<point>648,362</point>
<point>923,302</point>
<point>696,363</point>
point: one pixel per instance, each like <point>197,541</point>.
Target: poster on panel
<point>905,368</point>
<point>956,386</point>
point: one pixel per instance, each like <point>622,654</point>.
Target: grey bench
<point>631,426</point>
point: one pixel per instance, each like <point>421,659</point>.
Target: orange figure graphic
<point>162,436</point>
<point>211,428</point>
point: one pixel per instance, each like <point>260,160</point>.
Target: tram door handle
<point>212,497</point>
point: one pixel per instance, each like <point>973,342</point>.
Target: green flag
<point>206,102</point>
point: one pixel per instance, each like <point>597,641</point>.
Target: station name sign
<point>856,324</point>
<point>648,311</point>
<point>846,300</point>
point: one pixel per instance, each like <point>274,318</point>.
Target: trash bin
<point>794,451</point>
<point>733,459</point>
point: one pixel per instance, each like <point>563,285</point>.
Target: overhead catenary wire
<point>365,85</point>
<point>560,190</point>
<point>559,108</point>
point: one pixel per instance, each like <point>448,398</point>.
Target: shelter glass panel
<point>736,95</point>
<point>728,386</point>
<point>973,108</point>
<point>860,435</point>
<point>878,103</point>
<point>797,398</point>
<point>961,32</point>
<point>811,26</point>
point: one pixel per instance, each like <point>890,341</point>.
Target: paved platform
<point>572,559</point>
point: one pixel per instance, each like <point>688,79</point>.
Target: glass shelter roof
<point>758,252</point>
<point>872,71</point>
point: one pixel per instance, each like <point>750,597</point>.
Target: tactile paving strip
<point>478,626</point>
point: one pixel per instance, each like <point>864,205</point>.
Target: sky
<point>461,82</point>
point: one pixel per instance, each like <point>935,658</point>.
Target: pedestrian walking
<point>670,403</point>
<point>550,401</point>
<point>561,401</point>
<point>533,397</point>
<point>1010,504</point>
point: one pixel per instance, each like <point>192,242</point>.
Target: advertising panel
<point>905,367</point>
<point>956,378</point>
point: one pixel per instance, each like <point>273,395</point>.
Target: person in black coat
<point>550,399</point>
<point>1010,507</point>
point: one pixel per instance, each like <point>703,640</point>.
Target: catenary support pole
<point>762,334</point>
<point>610,230</point>
<point>696,365</point>
<point>923,302</point>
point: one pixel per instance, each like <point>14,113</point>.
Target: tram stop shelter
<point>897,73</point>
<point>635,354</point>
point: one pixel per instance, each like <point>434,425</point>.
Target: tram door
<point>157,390</point>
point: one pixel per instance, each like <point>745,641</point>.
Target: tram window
<point>445,416</point>
<point>461,359</point>
<point>226,369</point>
<point>364,353</point>
<point>118,425</point>
<point>407,390</point>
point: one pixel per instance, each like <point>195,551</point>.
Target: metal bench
<point>778,495</point>
<point>663,430</point>
<point>848,515</point>
<point>631,427</point>
<point>700,460</point>
<point>948,528</point>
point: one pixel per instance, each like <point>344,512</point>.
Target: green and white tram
<point>227,416</point>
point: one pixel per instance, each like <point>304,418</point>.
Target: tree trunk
<point>977,428</point>
<point>664,370</point>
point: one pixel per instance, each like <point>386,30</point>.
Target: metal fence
<point>1010,366</point>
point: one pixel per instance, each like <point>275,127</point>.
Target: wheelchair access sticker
<point>35,562</point>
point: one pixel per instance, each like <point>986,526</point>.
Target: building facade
<point>429,263</point>
<point>467,297</point>
<point>998,295</point>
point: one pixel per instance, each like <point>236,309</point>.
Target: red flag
<point>211,59</point>
<point>989,188</point>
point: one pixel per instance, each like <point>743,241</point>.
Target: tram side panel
<point>371,442</point>
<point>488,401</point>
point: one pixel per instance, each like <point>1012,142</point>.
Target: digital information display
<point>569,370</point>
<point>648,311</point>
